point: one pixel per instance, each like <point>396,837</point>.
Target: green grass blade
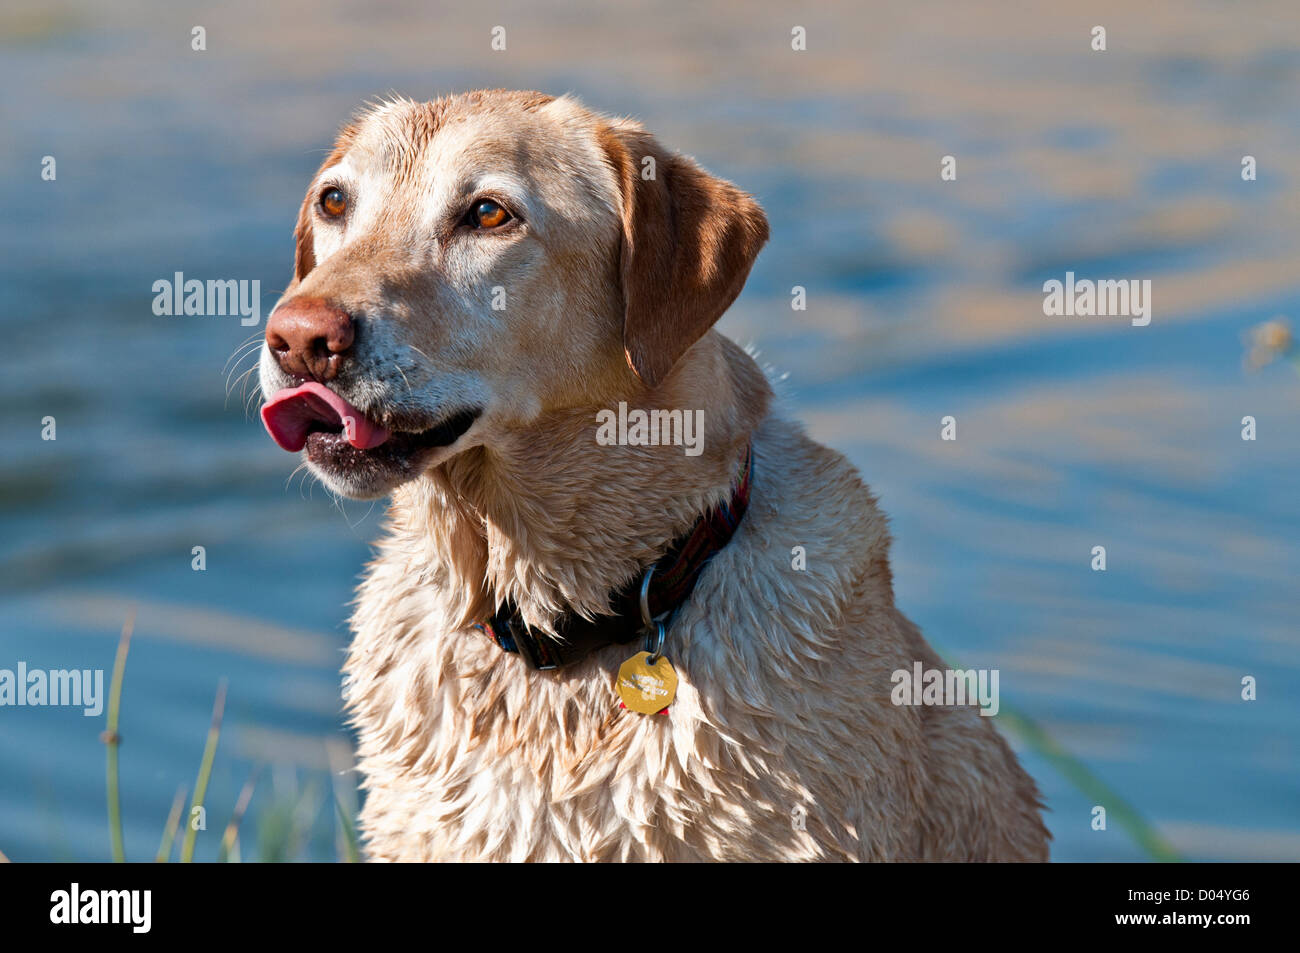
<point>347,842</point>
<point>112,741</point>
<point>1091,786</point>
<point>351,846</point>
<point>173,823</point>
<point>229,851</point>
<point>303,818</point>
<point>205,773</point>
<point>1084,781</point>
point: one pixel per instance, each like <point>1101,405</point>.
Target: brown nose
<point>310,337</point>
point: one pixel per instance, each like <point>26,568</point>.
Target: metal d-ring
<point>655,653</point>
<point>649,622</point>
<point>646,619</point>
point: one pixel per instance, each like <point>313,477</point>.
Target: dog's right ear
<point>304,255</point>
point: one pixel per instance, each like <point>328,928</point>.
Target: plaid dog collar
<point>671,580</point>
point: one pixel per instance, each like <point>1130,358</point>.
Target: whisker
<point>236,368</point>
<point>251,404</point>
<point>242,379</point>
<point>426,357</point>
<point>403,373</point>
<point>338,505</point>
<point>231,369</point>
<point>307,483</point>
<point>364,516</point>
<point>296,470</point>
<point>253,340</point>
<point>255,336</point>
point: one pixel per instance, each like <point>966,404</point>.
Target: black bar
<point>967,905</point>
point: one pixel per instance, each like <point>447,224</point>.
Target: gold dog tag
<point>646,688</point>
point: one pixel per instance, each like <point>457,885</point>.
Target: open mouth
<point>338,436</point>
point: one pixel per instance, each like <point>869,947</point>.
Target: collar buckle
<point>537,649</point>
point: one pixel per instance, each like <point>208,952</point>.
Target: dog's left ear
<point>689,240</point>
<point>304,239</point>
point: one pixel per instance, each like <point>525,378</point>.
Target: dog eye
<point>333,202</point>
<point>487,214</point>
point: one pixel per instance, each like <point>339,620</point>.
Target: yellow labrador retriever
<point>584,635</point>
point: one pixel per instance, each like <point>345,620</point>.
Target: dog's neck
<point>552,519</point>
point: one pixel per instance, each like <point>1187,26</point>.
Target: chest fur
<point>468,754</point>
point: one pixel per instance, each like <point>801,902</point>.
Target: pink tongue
<point>290,414</point>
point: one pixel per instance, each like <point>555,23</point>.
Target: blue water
<point>924,301</point>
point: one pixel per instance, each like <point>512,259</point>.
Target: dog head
<point>466,265</point>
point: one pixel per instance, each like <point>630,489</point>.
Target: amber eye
<point>487,214</point>
<point>333,202</point>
